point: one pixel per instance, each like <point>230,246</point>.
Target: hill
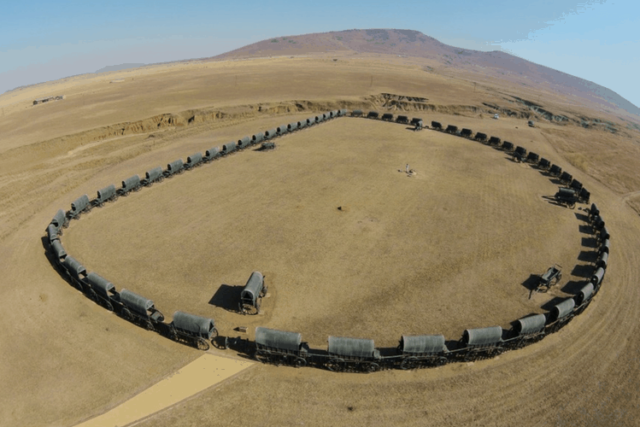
<point>119,67</point>
<point>443,57</point>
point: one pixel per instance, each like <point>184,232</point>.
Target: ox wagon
<point>566,196</point>
<point>130,184</point>
<point>481,343</point>
<point>106,194</point>
<point>252,294</point>
<point>138,309</point>
<point>193,329</point>
<point>194,160</point>
<point>387,117</point>
<point>482,137</point>
<point>527,330</point>
<point>494,140</point>
<point>507,146</point>
<point>211,154</point>
<point>466,133</point>
<point>174,168</point>
<point>402,119</point>
<point>356,113</point>
<point>555,170</point>
<point>544,164</point>
<point>561,314</point>
<point>102,291</point>
<point>422,350</point>
<point>352,354</point>
<point>566,178</point>
<point>80,205</point>
<point>281,347</point>
<point>519,154</point>
<point>551,277</point>
<point>436,125</point>
<point>373,115</point>
<point>451,129</point>
<point>154,175</point>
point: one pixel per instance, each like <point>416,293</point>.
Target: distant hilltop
<point>119,67</point>
<point>411,43</point>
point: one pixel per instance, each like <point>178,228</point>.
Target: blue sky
<point>598,40</point>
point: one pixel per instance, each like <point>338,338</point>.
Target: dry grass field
<point>445,250</point>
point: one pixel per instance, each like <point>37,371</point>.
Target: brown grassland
<point>447,249</point>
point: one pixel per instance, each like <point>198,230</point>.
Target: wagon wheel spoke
<point>409,363</point>
<point>335,365</point>
<point>202,344</point>
<point>371,367</point>
<point>300,362</point>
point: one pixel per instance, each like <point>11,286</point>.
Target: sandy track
<point>201,374</point>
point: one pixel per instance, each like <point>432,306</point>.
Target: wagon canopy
<point>482,336</point>
<point>52,233</point>
<point>136,302</point>
<point>194,158</point>
<point>132,182</point>
<point>58,219</point>
<point>212,153</point>
<point>563,309</point>
<point>100,284</point>
<point>106,192</point>
<point>530,324</point>
<point>74,267</point>
<point>356,113</point>
<point>80,203</point>
<point>197,325</point>
<point>342,112</point>
<point>253,287</point>
<point>229,147</point>
<point>244,142</point>
<point>176,165</point>
<point>283,129</point>
<point>594,209</point>
<point>260,136</point>
<point>585,293</point>
<point>292,126</point>
<point>154,174</point>
<point>597,277</point>
<point>278,339</point>
<point>420,344</point>
<point>58,250</point>
<point>271,133</point>
<point>351,347</point>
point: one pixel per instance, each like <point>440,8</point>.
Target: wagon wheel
<point>262,358</point>
<point>116,197</point>
<point>161,178</point>
<point>471,356</point>
<point>202,344</point>
<point>149,326</point>
<point>108,305</point>
<point>249,309</point>
<point>172,334</point>
<point>149,184</point>
<point>299,362</point>
<point>559,277</point>
<point>91,294</point>
<point>100,204</point>
<point>78,215</point>
<point>214,335</point>
<point>439,361</point>
<point>370,367</point>
<point>126,314</point>
<point>60,231</point>
<point>409,363</point>
<point>335,365</point>
<point>137,188</point>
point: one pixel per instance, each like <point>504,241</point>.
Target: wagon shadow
<point>582,271</point>
<point>555,181</point>
<point>227,297</point>
<point>589,242</point>
<point>581,217</point>
<point>552,303</point>
<point>54,263</point>
<point>585,229</point>
<point>587,256</point>
<point>552,201</point>
<point>531,283</point>
<point>573,287</point>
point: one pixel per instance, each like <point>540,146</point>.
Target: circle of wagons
<point>342,354</point>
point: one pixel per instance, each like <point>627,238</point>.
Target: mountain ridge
<point>411,43</point>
